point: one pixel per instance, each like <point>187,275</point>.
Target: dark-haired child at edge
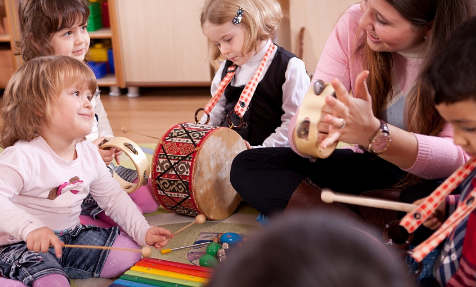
<point>450,76</point>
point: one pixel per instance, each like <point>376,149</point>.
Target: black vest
<point>265,110</point>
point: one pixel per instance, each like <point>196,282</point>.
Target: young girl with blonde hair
<point>59,27</point>
<point>45,174</point>
<point>259,85</point>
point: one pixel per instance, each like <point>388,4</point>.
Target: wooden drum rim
<point>311,109</point>
<point>192,188</point>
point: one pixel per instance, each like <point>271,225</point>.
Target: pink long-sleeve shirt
<point>30,170</point>
<point>438,157</point>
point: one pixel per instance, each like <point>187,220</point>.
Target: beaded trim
<point>238,17</point>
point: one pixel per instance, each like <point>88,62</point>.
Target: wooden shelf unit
<point>9,62</point>
<point>5,38</point>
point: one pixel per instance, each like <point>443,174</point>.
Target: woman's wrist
<point>369,133</point>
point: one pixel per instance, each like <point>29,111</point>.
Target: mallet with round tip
<point>146,251</point>
<point>201,218</point>
<point>329,196</point>
<point>126,130</point>
<point>168,250</point>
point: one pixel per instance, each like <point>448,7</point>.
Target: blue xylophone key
<point>125,283</point>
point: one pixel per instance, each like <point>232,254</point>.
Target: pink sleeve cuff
<point>438,157</point>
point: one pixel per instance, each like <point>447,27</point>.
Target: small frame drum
<point>191,170</point>
<point>138,157</point>
<point>307,123</point>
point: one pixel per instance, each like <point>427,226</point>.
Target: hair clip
<point>238,16</point>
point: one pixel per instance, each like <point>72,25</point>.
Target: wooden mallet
<point>329,196</point>
<point>200,219</point>
<point>146,251</point>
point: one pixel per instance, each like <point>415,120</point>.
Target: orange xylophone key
<point>174,269</point>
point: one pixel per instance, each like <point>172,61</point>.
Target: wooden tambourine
<point>138,157</point>
<point>308,118</point>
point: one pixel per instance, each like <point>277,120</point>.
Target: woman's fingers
<point>330,139</point>
<point>361,90</point>
<point>341,92</point>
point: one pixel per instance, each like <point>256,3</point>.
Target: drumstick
<point>165,251</point>
<point>146,251</point>
<point>125,130</point>
<point>329,196</point>
<point>198,219</point>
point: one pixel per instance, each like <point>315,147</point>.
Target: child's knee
<point>144,198</point>
<point>119,261</point>
<point>11,283</point>
<point>52,280</point>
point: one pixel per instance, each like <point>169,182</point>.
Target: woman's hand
<point>40,240</point>
<point>356,112</point>
<point>436,219</point>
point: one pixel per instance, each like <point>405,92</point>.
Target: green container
<point>95,9</point>
<point>94,23</point>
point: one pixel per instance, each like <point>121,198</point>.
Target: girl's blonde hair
<point>29,94</point>
<point>259,22</point>
<point>40,19</point>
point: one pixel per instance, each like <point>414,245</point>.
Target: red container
<point>105,15</point>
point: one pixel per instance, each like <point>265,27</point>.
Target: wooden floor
<point>153,112</point>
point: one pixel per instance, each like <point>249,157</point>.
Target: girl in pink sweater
<point>46,171</point>
<point>376,51</point>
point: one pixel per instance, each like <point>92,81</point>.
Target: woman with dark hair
<point>376,50</point>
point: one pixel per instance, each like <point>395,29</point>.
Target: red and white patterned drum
<point>191,170</point>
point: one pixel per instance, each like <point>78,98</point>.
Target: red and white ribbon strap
<point>221,88</point>
<point>249,90</point>
<point>414,219</point>
<point>245,98</point>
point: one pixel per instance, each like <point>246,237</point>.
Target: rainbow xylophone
<point>149,272</point>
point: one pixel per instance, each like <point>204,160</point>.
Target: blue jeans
<point>18,263</point>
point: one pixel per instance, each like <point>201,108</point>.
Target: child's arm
<point>16,224</point>
<point>104,127</point>
<point>118,205</point>
<point>294,89</point>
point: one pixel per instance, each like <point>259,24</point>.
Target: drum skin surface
<point>191,170</point>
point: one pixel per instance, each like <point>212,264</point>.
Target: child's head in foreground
<point>236,35</point>
<point>53,27</point>
<point>312,249</point>
<point>32,102</point>
<point>451,76</point>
